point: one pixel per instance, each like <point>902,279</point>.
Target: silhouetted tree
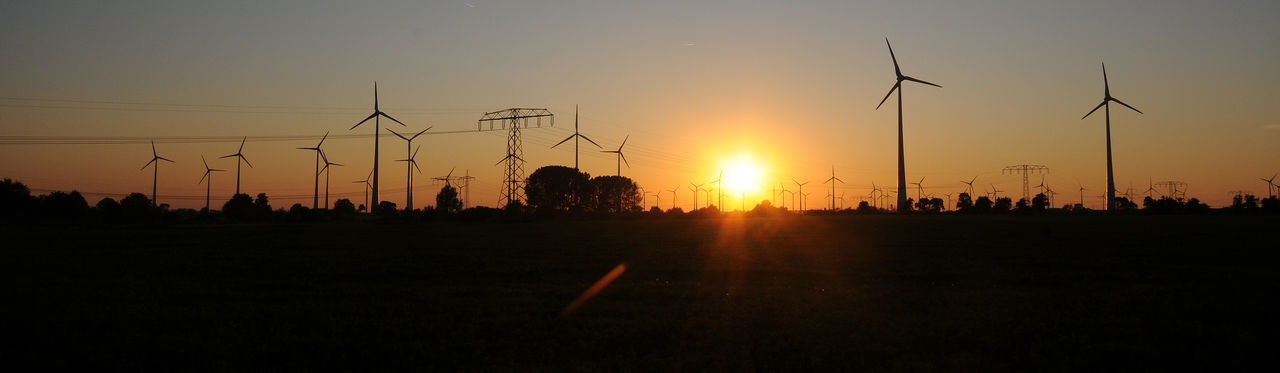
<point>1039,203</point>
<point>262,204</point>
<point>1125,205</point>
<point>108,209</point>
<point>1271,205</point>
<point>1003,204</point>
<point>614,194</point>
<point>864,207</point>
<point>64,206</point>
<point>447,200</point>
<point>300,213</point>
<point>982,206</point>
<point>344,207</point>
<point>385,208</point>
<point>930,204</point>
<point>557,188</point>
<point>16,202</point>
<point>1245,203</point>
<point>241,208</point>
<point>964,202</point>
<point>910,204</point>
<point>136,206</point>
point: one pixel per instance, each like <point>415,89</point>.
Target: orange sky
<point>791,86</point>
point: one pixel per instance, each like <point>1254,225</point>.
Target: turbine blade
<point>148,163</point>
<point>415,152</point>
<point>589,140</point>
<point>206,174</point>
<point>165,159</point>
<point>398,134</point>
<point>206,163</point>
<point>366,119</point>
<point>1095,108</point>
<point>1106,87</point>
<point>394,119</point>
<point>242,144</point>
<point>896,70</point>
<point>421,132</point>
<point>920,81</point>
<point>246,161</point>
<point>1126,105</point>
<point>326,135</point>
<point>153,148</point>
<point>624,142</point>
<point>415,165</point>
<point>562,141</point>
<point>624,159</point>
<point>886,96</point>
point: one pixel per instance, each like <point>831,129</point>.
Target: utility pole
<point>466,184</point>
<point>1174,187</point>
<point>1026,170</point>
<point>513,120</point>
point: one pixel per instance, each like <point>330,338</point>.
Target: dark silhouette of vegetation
<point>343,208</point>
<point>447,200</point>
<point>558,189</point>
<point>964,202</point>
<point>614,194</point>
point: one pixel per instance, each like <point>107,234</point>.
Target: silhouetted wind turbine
<point>315,196</point>
<point>919,189</point>
<point>719,182</point>
<point>970,183</point>
<point>621,158</point>
<point>800,187</point>
<point>1270,185</point>
<point>1106,102</point>
<point>902,172</point>
<point>1041,186</point>
<point>408,168</point>
<point>447,178</point>
<point>156,175</point>
<point>783,190</point>
<point>208,173</point>
<point>1082,189</point>
<point>377,127</point>
<point>673,195</point>
<point>327,172</point>
<point>995,193</point>
<point>367,186</point>
<point>412,160</point>
<point>833,180</point>
<point>575,136</point>
<point>695,188</point>
<point>239,157</point>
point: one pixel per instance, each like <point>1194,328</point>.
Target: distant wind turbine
<point>621,158</point>
<point>695,188</point>
<point>1106,102</point>
<point>315,196</point>
<point>327,171</point>
<point>919,189</point>
<point>412,160</point>
<point>576,135</point>
<point>800,187</point>
<point>408,168</point>
<point>377,128</point>
<point>673,195</point>
<point>1270,185</point>
<point>367,186</point>
<point>833,180</point>
<point>902,172</point>
<point>970,184</point>
<point>239,157</point>
<point>208,173</point>
<point>156,174</point>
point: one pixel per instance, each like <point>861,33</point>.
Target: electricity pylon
<point>513,120</point>
<point>1026,170</point>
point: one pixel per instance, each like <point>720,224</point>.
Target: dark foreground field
<point>851,293</point>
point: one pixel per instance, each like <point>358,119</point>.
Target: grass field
<point>888,293</point>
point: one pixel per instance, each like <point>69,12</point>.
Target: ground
<point>888,293</point>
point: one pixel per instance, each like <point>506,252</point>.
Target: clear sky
<point>695,84</point>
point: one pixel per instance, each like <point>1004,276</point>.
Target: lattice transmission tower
<point>1026,170</point>
<point>513,120</point>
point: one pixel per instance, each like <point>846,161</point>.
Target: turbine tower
<point>833,180</point>
<point>695,188</point>
<point>719,182</point>
<point>1106,102</point>
<point>621,158</point>
<point>800,190</point>
<point>239,157</point>
<point>367,186</point>
<point>377,129</point>
<point>902,172</point>
<point>156,175</point>
<point>1270,185</point>
<point>575,136</point>
<point>970,184</point>
<point>673,196</point>
<point>208,187</point>
<point>919,189</point>
<point>315,196</point>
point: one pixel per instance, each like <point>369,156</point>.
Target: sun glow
<point>742,174</point>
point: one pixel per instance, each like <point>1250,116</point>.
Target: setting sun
<point>742,174</point>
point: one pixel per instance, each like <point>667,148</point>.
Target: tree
<point>614,194</point>
<point>16,201</point>
<point>344,207</point>
<point>982,205</point>
<point>1039,203</point>
<point>108,209</point>
<point>964,202</point>
<point>385,208</point>
<point>557,188</point>
<point>447,200</point>
<point>1003,204</point>
<point>241,207</point>
<point>136,206</point>
<point>62,205</point>
<point>262,204</point>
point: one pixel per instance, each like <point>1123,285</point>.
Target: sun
<point>742,174</point>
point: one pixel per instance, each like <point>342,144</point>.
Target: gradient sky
<point>793,85</point>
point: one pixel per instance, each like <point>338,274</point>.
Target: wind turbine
<point>1106,102</point>
<point>719,182</point>
<point>1270,185</point>
<point>575,136</point>
<point>948,194</point>
<point>327,171</point>
<point>315,196</point>
<point>410,153</point>
<point>156,175</point>
<point>673,195</point>
<point>800,186</point>
<point>1151,188</point>
<point>621,158</point>
<point>239,157</point>
<point>970,183</point>
<point>447,177</point>
<point>995,193</point>
<point>367,187</point>
<point>695,188</point>
<point>919,189</point>
<point>783,189</point>
<point>377,128</point>
<point>902,172</point>
<point>412,160</point>
<point>833,180</point>
<point>1041,186</point>
<point>208,186</point>
<point>1082,189</point>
